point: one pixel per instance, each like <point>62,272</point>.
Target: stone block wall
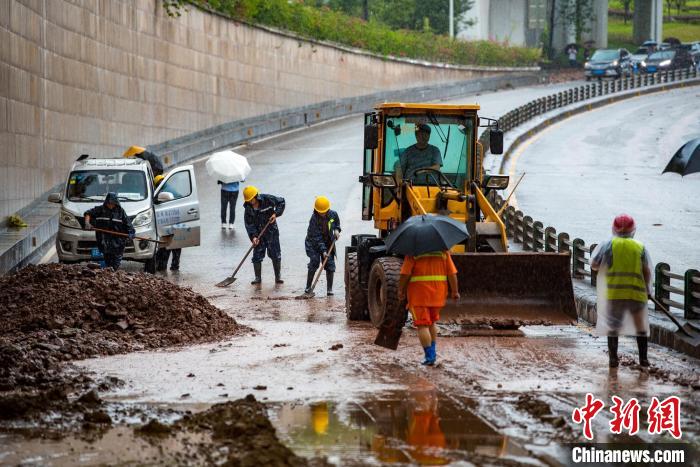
<point>96,76</point>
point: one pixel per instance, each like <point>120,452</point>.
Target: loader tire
<point>383,290</point>
<point>355,296</point>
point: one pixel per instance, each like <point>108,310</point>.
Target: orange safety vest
<point>428,283</point>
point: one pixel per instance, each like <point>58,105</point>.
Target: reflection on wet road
<point>417,426</point>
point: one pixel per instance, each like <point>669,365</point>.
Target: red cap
<point>624,223</point>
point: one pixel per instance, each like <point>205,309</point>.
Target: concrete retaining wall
<point>95,76</point>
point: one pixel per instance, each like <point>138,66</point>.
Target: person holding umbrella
<point>427,271</point>
<point>230,169</point>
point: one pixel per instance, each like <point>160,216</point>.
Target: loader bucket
<point>508,290</point>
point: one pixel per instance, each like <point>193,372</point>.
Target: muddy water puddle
<point>418,426</point>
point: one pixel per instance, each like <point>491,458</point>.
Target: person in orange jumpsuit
<point>426,277</point>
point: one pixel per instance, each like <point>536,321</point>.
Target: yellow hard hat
<point>249,193</point>
<point>322,204</point>
<point>158,179</point>
<point>133,150</point>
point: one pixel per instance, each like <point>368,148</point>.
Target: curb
<point>661,330</point>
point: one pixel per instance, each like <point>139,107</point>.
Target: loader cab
<point>403,176</point>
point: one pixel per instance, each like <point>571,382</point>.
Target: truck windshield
<point>93,185</point>
<point>448,147</point>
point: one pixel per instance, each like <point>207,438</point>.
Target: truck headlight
<point>614,63</point>
<point>143,218</point>
<point>67,218</point>
<point>587,65</point>
<point>665,63</point>
<point>644,64</point>
<point>497,182</point>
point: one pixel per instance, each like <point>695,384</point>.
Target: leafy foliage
<point>325,24</point>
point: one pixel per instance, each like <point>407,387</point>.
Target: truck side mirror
<point>371,136</point>
<point>55,198</point>
<point>496,141</point>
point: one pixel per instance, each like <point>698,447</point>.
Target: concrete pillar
<point>648,20</point>
<point>479,13</point>
<point>599,30</point>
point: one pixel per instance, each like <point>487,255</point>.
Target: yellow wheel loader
<point>405,174</point>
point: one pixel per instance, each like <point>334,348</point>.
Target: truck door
<point>177,211</point>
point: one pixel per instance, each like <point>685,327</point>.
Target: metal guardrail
<point>680,291</point>
<point>585,92</point>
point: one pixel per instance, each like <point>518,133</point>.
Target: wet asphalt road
<point>585,170</point>
<point>361,402</point>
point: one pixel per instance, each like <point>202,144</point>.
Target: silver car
<point>169,212</point>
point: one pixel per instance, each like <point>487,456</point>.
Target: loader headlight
<point>497,182</point>
<point>67,218</point>
<point>382,181</point>
<point>143,218</point>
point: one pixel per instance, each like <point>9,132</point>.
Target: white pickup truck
<point>169,212</point>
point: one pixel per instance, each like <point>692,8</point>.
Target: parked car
<point>664,60</point>
<point>693,49</point>
<point>170,210</point>
<point>608,63</point>
<point>638,57</point>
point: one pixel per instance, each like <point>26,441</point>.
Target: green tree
<point>406,14</point>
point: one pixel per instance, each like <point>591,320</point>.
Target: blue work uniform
<point>319,237</point>
<point>116,220</point>
<point>255,221</point>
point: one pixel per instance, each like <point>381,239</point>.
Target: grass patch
<point>620,34</point>
<point>327,25</point>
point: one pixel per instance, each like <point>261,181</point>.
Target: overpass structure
<point>526,22</point>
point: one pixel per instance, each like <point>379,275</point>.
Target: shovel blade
<point>226,282</point>
<point>305,296</point>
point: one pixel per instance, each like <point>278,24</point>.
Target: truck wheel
<point>150,265</point>
<point>355,296</point>
<point>383,290</point>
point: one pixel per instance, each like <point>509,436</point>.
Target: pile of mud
<point>55,313</point>
<point>232,433</point>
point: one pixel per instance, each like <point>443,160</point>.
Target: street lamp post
<point>452,18</point>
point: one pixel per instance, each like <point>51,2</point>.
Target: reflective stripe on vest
<point>430,278</point>
<point>624,278</point>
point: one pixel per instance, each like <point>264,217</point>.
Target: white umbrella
<point>228,166</point>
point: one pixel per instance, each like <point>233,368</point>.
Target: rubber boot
<point>277,266</point>
<point>612,350</point>
<point>433,351</point>
<point>309,281</point>
<point>642,345</point>
<point>329,282</point>
<point>257,267</point>
<point>428,356</point>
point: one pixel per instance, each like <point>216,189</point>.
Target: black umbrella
<point>426,233</point>
<point>686,160</point>
<point>153,160</point>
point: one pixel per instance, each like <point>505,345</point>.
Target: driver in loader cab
<point>419,156</point>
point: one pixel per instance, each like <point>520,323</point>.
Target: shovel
<point>310,293</point>
<point>119,234</point>
<point>671,317</point>
<point>232,278</point>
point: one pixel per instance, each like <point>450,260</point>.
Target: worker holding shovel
<point>324,229</point>
<point>110,216</point>
<point>624,287</point>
